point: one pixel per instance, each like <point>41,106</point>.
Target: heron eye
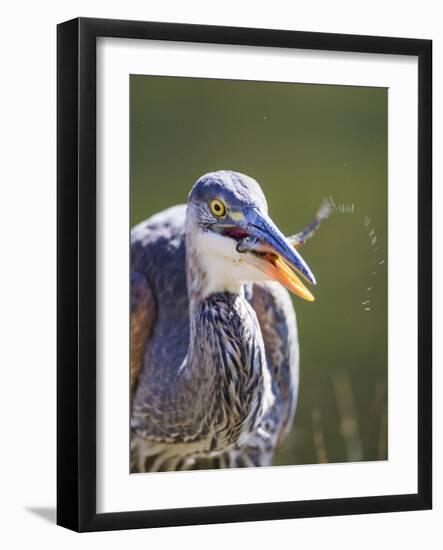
<point>217,208</point>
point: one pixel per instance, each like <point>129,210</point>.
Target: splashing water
<point>375,262</point>
<point>343,208</point>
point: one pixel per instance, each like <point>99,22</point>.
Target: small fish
<point>323,213</point>
<point>253,244</point>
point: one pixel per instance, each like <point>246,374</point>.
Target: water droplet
<point>342,208</point>
<point>374,261</point>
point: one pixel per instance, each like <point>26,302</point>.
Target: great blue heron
<point>214,346</point>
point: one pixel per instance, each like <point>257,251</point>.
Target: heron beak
<point>274,255</point>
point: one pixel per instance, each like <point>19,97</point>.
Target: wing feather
<point>143,314</point>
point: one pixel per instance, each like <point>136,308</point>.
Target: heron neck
<point>226,358</point>
<point>207,272</point>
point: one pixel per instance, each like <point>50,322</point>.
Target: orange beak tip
<point>286,276</point>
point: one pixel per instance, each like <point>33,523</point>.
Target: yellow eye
<point>217,208</point>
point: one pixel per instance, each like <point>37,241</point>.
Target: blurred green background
<point>302,143</point>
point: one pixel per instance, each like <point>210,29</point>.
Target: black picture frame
<point>76,266</point>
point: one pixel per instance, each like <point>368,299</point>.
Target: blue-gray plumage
<point>214,347</point>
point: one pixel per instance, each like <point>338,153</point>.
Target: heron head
<point>234,239</point>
